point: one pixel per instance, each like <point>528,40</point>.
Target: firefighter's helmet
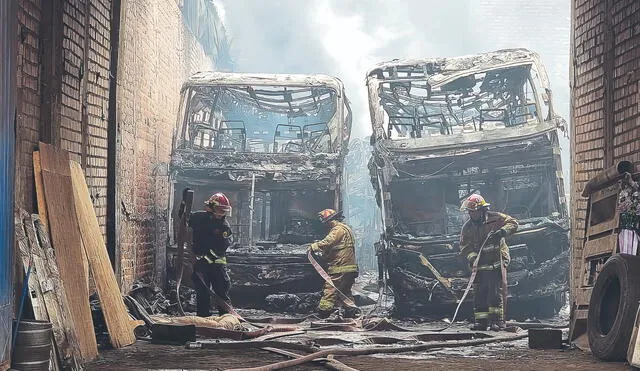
<point>473,203</point>
<point>219,204</point>
<point>327,215</point>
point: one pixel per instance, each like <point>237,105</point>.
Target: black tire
<point>613,307</point>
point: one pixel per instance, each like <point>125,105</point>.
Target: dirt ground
<point>504,356</point>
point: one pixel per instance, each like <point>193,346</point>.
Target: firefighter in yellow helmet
<point>338,249</point>
<point>493,262</point>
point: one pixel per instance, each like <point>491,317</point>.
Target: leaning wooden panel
<point>35,291</point>
<point>605,245</point>
<point>65,234</point>
<point>115,313</point>
<point>37,176</point>
<point>53,293</point>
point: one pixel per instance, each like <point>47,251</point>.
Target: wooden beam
<point>605,245</point>
<point>67,242</point>
<point>115,313</point>
<point>35,290</point>
<point>42,205</point>
<point>53,294</point>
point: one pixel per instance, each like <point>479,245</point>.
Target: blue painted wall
<point>8,39</point>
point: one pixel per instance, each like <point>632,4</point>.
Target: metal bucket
<point>33,345</point>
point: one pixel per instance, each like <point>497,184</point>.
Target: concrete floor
<point>511,356</point>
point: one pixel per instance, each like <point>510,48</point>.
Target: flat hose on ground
<point>328,363</point>
<point>380,350</point>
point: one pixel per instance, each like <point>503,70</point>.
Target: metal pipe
<point>8,93</point>
<point>112,143</point>
<point>607,177</point>
<point>253,196</point>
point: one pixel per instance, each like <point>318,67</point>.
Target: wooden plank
<point>609,191</point>
<point>581,314</point>
<point>583,296</point>
<point>35,291</point>
<point>37,176</point>
<point>53,293</point>
<point>600,246</point>
<point>115,313</point>
<point>609,225</point>
<point>65,234</point>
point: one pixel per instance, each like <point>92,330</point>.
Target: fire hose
<point>328,280</point>
<point>474,272</point>
<point>223,303</point>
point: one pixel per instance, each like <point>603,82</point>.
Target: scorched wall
<point>157,53</point>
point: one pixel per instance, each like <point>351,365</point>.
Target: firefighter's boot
<point>324,314</point>
<point>480,325</point>
<point>222,310</point>
<point>352,312</point>
<point>499,325</point>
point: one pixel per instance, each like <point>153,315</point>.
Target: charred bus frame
<point>444,128</point>
<point>275,145</point>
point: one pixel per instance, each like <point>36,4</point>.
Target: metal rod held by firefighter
<point>253,196</point>
<point>183,214</point>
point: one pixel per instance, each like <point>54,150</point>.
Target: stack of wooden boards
<point>62,244</point>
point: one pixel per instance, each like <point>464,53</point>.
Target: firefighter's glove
<point>313,248</point>
<point>496,236</point>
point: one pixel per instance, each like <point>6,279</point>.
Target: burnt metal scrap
<point>276,146</point>
<point>445,128</point>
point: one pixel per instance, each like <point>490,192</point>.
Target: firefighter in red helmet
<point>211,237</point>
<point>493,260</point>
<point>338,249</point>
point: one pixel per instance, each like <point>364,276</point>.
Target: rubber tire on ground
<point>613,306</point>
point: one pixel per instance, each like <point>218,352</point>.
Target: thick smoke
<point>344,38</point>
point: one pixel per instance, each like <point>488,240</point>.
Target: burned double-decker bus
<point>275,145</point>
<point>445,128</point>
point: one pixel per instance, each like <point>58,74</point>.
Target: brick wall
<point>605,98</point>
<point>79,122</point>
<point>85,93</point>
<point>157,53</point>
<point>28,100</point>
<point>63,98</point>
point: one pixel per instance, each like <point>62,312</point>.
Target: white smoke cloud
<point>346,38</point>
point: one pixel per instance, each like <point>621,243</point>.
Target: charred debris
<point>445,128</point>
<point>275,145</point>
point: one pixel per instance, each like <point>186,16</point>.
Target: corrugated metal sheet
<point>8,39</point>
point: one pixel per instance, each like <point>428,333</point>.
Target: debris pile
<point>290,303</point>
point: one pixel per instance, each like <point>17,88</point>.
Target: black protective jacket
<point>211,237</point>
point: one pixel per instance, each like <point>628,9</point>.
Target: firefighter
<point>490,280</point>
<point>338,248</point>
<point>211,238</point>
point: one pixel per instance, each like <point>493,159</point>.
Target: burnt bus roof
<point>387,79</point>
<point>450,68</point>
<point>229,78</point>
